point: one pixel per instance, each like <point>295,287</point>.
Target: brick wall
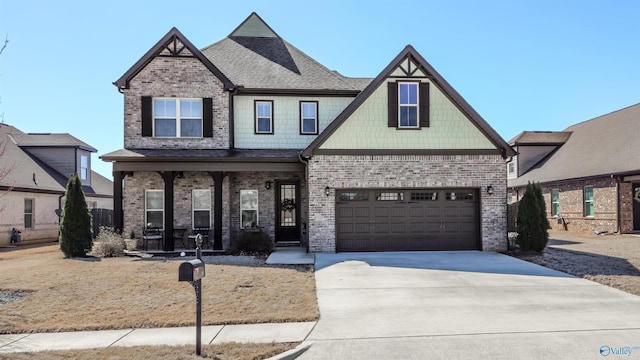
<point>406,172</point>
<point>605,202</point>
<point>184,77</point>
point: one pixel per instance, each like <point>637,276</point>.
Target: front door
<point>287,211</point>
<point>636,206</point>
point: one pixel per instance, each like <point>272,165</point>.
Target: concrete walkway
<point>464,305</point>
<point>252,333</point>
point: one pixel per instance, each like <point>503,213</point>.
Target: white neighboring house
<point>34,172</point>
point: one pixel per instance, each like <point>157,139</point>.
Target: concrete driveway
<point>465,305</point>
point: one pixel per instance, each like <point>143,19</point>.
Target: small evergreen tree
<point>75,226</point>
<point>532,220</point>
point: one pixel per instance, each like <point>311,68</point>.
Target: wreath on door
<point>288,205</point>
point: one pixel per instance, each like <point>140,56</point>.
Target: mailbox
<point>192,270</point>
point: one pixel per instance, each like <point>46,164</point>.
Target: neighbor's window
<point>408,105</point>
<point>512,167</point>
<point>309,117</point>
<point>264,117</point>
<point>248,208</point>
<point>588,201</point>
<point>28,213</point>
<point>201,208</point>
<point>177,117</point>
<point>84,167</point>
<point>154,208</point>
<point>555,202</point>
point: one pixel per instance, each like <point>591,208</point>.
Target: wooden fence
<point>101,217</point>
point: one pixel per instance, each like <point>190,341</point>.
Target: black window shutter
<point>207,117</point>
<point>393,104</point>
<point>147,116</point>
<point>424,104</point>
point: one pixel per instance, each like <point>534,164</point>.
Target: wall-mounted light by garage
<point>490,189</point>
<point>327,191</point>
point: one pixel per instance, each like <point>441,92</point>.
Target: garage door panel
<point>427,220</point>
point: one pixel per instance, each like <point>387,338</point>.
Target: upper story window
<point>408,105</point>
<point>512,167</point>
<point>264,116</point>
<point>84,167</point>
<point>309,117</point>
<point>177,117</point>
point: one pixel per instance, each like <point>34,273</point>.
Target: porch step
<point>288,244</point>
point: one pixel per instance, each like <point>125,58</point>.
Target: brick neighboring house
<point>250,131</point>
<point>589,173</point>
<point>36,170</point>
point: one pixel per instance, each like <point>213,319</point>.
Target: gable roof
<point>175,44</point>
<point>282,67</point>
<point>423,67</point>
<point>604,146</point>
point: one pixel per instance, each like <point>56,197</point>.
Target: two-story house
<point>34,171</point>
<point>250,131</point>
<point>589,173</point>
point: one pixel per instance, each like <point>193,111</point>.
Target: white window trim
<point>303,118</point>
<point>585,201</point>
<point>146,210</point>
<point>177,118</point>
<point>256,208</point>
<point>558,202</point>
<point>256,117</point>
<point>416,105</point>
<point>194,209</point>
<point>32,213</point>
<point>84,170</point>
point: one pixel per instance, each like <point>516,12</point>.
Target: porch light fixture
<point>327,191</point>
<point>267,185</point>
<point>490,189</point>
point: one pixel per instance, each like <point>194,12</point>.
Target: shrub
<point>532,220</point>
<point>251,243</point>
<point>108,243</point>
<point>75,226</point>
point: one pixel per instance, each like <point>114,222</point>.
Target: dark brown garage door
<point>397,220</point>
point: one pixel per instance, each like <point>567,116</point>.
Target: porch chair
<point>151,234</point>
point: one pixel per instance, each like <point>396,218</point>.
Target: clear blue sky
<point>522,64</point>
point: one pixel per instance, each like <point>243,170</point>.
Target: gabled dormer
<point>175,98</point>
<point>409,108</point>
<point>62,152</point>
<point>532,148</point>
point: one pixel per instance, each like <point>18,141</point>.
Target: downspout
<point>306,179</point>
<point>618,210</point>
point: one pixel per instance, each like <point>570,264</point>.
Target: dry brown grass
<point>227,351</point>
<point>117,293</point>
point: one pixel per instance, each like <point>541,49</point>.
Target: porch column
<point>118,215</point>
<point>168,177</point>
<point>217,209</point>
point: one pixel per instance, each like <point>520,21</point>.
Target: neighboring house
<point>35,169</point>
<point>589,173</point>
<point>250,131</point>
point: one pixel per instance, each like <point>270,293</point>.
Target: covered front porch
<point>166,197</point>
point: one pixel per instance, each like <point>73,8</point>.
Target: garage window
<point>424,196</point>
<point>459,195</point>
<point>389,196</point>
<point>354,196</point>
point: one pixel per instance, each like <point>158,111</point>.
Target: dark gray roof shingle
<point>603,146</point>
<point>50,140</point>
<point>540,138</point>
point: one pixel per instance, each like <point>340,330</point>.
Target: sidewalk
<point>217,334</point>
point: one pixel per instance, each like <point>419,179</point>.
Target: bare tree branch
<point>4,46</point>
